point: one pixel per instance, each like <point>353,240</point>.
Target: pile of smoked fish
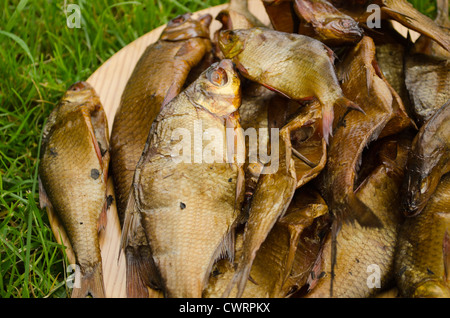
<point>354,201</point>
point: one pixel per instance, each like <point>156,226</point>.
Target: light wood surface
<point>109,81</point>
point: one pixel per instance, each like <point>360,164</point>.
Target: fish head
<point>218,89</point>
<point>185,27</point>
<point>342,29</point>
<point>232,42</point>
<point>78,94</point>
<point>418,189</point>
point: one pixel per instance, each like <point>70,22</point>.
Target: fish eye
<point>424,185</point>
<point>77,87</point>
<point>218,76</point>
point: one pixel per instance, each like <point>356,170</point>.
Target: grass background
<point>40,57</point>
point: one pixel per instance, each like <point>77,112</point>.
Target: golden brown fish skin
<point>422,257</point>
<point>428,162</point>
<point>427,46</point>
<point>282,15</point>
<point>275,189</point>
<point>189,209</point>
<point>272,59</point>
<point>254,118</point>
<point>428,71</point>
<point>165,66</point>
<point>322,21</point>
<point>73,174</point>
<point>403,12</point>
<point>355,132</point>
<point>238,16</point>
<point>271,271</point>
<point>359,247</point>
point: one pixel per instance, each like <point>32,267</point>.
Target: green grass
<point>39,58</point>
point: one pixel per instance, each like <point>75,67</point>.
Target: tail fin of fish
<point>141,271</point>
<point>91,284</point>
<point>340,108</point>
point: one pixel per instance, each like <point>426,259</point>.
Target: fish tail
<point>327,123</point>
<point>140,272</point>
<point>91,284</point>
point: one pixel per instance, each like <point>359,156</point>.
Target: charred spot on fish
<point>322,275</point>
<point>182,206</point>
<point>53,152</point>
<point>357,260</point>
<point>430,272</point>
<point>230,179</point>
<point>109,201</point>
<point>350,273</point>
<point>95,174</point>
<point>262,36</point>
<point>81,223</point>
<point>313,275</point>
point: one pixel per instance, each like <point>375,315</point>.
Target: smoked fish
<point>429,160</point>
<point>159,75</point>
<point>73,172</point>
<point>294,65</point>
<point>190,206</point>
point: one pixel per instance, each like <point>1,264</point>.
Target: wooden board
<point>109,81</point>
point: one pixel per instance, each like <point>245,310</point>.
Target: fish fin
<point>327,123</point>
<point>44,201</point>
<point>134,284</point>
<point>102,220</point>
<point>305,12</point>
<point>226,247</point>
<point>91,284</point>
<point>362,213</point>
<point>141,269</point>
<point>275,90</point>
<point>87,118</point>
<point>55,223</point>
<point>172,92</point>
<point>241,68</point>
<point>239,279</point>
<point>141,272</point>
<point>446,254</point>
